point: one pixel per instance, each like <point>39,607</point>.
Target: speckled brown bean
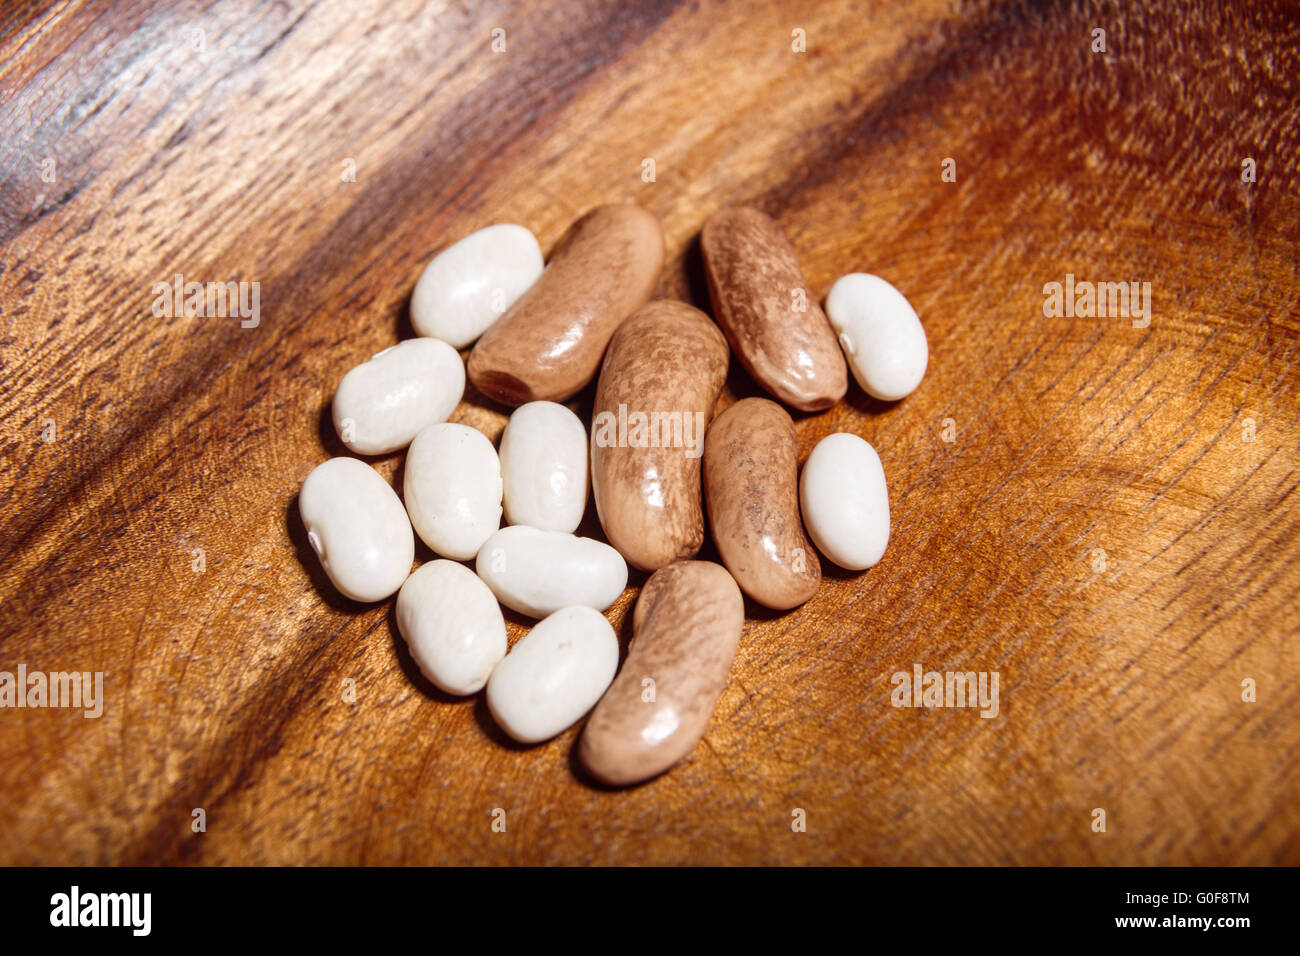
<point>754,276</point>
<point>751,484</point>
<point>548,346</point>
<point>668,363</point>
<point>685,630</point>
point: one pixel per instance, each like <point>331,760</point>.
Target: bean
<point>685,630</point>
<point>880,334</point>
<point>471,283</point>
<point>357,527</point>
<point>751,468</point>
<point>453,489</point>
<point>771,319</point>
<point>544,467</point>
<point>664,369</point>
<point>845,501</point>
<point>538,572</point>
<point>553,675</point>
<point>452,625</point>
<point>549,345</point>
<point>382,404</point>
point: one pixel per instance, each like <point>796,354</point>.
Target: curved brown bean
<point>660,379</point>
<point>548,344</point>
<point>685,630</point>
<point>751,484</point>
<point>755,284</point>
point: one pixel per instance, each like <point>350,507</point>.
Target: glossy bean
<point>771,319</point>
<point>357,527</point>
<point>686,626</point>
<point>384,403</point>
<point>660,379</point>
<point>544,467</point>
<point>553,675</point>
<point>548,346</point>
<point>471,283</point>
<point>880,334</point>
<point>751,472</point>
<point>845,501</point>
<point>538,572</point>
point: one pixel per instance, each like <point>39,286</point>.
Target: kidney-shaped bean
<point>685,630</point>
<point>660,379</point>
<point>548,346</point>
<point>771,318</point>
<point>751,475</point>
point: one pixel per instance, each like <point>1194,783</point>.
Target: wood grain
<point>225,160</point>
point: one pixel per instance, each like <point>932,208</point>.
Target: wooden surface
<point>1120,689</point>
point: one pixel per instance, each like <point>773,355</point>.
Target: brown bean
<point>685,630</point>
<point>751,484</point>
<point>754,279</point>
<point>548,345</point>
<point>663,370</point>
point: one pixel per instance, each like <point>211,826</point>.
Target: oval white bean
<point>880,333</point>
<point>470,284</point>
<point>384,403</point>
<point>453,489</point>
<point>544,467</point>
<point>554,675</point>
<point>453,626</point>
<point>538,572</point>
<point>357,527</point>
<point>845,501</point>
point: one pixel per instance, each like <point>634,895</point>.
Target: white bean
<point>880,333</point>
<point>453,626</point>
<point>453,489</point>
<point>544,467</point>
<point>845,501</point>
<point>469,285</point>
<point>382,404</point>
<point>538,572</point>
<point>357,526</point>
<point>554,675</point>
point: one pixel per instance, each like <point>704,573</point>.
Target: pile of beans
<point>540,334</point>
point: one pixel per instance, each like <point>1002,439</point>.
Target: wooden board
<point>1112,526</point>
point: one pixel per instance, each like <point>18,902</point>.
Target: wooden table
<point>1105,515</point>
